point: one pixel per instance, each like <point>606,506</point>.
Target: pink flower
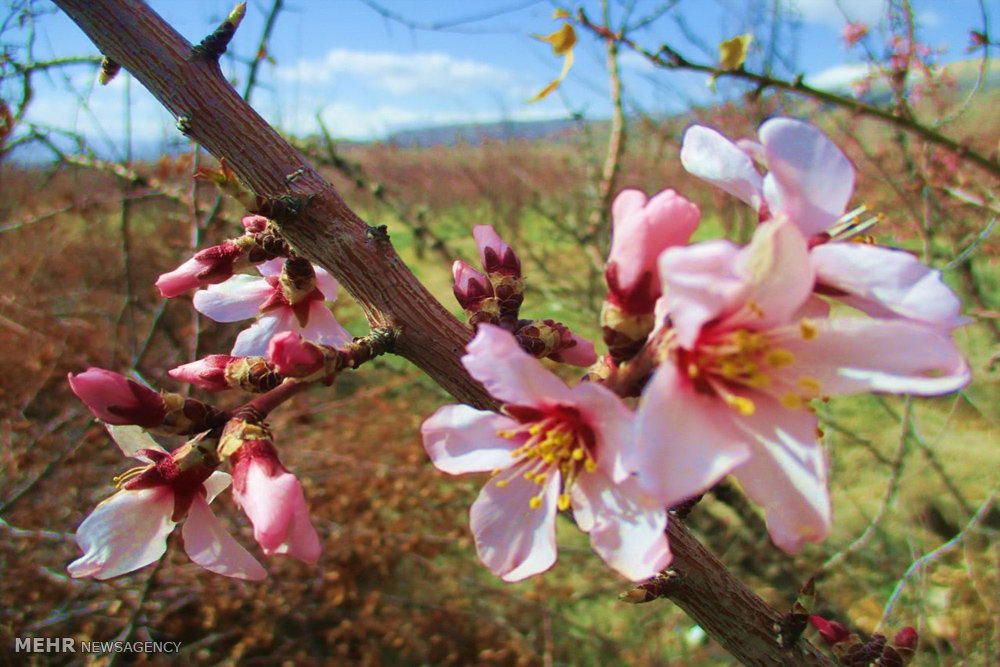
<point>277,305</point>
<point>742,360</point>
<point>208,373</point>
<point>496,256</point>
<point>293,356</point>
<point>853,32</point>
<point>553,448</point>
<point>129,530</point>
<point>273,500</point>
<point>115,399</point>
<point>810,183</point>
<point>207,267</point>
<point>643,228</point>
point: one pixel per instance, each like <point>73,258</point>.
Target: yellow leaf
<point>733,52</point>
<point>560,14</point>
<point>567,63</point>
<point>562,40</point>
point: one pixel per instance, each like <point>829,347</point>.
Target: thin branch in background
<point>933,555</point>
<point>668,58</point>
<point>260,55</point>
<point>73,442</point>
<point>971,248</point>
<point>895,476</point>
<point>126,634</point>
<point>127,313</point>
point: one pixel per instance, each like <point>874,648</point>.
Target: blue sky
<point>368,75</point>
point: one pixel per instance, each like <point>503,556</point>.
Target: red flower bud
<point>293,356</point>
<point>117,400</point>
<point>208,267</point>
<point>208,373</point>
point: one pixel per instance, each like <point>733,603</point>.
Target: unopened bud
<point>208,267</point>
<point>554,340</point>
<point>294,356</point>
<point>623,332</point>
<point>237,433</point>
<point>503,267</point>
<point>117,400</point>
<point>208,373</point>
<point>475,294</point>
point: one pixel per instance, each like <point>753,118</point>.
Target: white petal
<point>884,282</point>
<point>786,474</point>
<point>460,439</point>
<point>125,532</point>
<point>216,483</point>
<point>513,540</point>
<point>326,283</point>
<point>239,298</point>
<point>627,528</point>
<point>208,544</point>
<point>252,341</point>
<point>509,373</point>
<point>810,178</point>
<point>271,267</point>
<point>323,327</point>
<point>131,439</point>
<point>851,355</point>
<point>709,155</point>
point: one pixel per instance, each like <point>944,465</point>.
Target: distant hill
<point>475,133</point>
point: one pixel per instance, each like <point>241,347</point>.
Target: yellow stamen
<point>792,401</point>
<point>807,329</point>
<point>563,502</point>
<point>810,384</point>
<point>535,502</point>
<point>125,477</point>
<point>780,357</point>
<point>502,484</point>
<point>590,465</point>
<point>742,405</point>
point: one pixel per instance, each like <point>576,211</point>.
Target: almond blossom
<point>280,302</point>
<point>810,182</point>
<point>129,530</point>
<point>743,352</point>
<point>115,399</point>
<point>553,448</point>
<point>272,498</point>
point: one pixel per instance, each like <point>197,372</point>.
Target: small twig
<point>934,554</point>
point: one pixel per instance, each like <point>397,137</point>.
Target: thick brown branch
<point>321,227</point>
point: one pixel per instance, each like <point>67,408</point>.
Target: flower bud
<point>117,400</point>
<point>294,356</point>
<point>207,267</point>
<point>548,338</point>
<point>475,294</point>
<point>503,268</point>
<point>208,373</point>
<point>642,230</point>
<point>254,224</point>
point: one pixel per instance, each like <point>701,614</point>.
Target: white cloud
<point>829,11</point>
<point>398,73</point>
<point>838,77</point>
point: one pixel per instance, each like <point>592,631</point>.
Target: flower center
<point>554,441</point>
<point>741,359</point>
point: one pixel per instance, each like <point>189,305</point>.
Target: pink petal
<point>685,441</point>
<point>496,360</point>
<point>253,341</point>
<point>326,283</point>
<point>302,542</point>
<point>887,283</point>
<point>851,355</point>
<point>460,439</point>
<point>582,354</point>
<point>132,439</point>
<point>778,276</point>
<point>709,155</point>
<point>786,474</point>
<point>208,544</point>
<point>513,540</point>
<point>627,202</point>
<point>323,327</point>
<point>181,279</point>
<point>125,532</point>
<point>628,526</point>
<point>271,267</point>
<point>810,178</point>
<point>613,424</point>
<point>239,298</point>
<point>698,286</point>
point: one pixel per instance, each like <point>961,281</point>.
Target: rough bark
<point>318,224</point>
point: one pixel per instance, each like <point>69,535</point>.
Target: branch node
<point>184,124</point>
<point>109,70</point>
<point>212,47</point>
<point>379,234</point>
<point>282,208</point>
<point>664,584</point>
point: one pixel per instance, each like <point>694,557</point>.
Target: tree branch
<point>316,221</point>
